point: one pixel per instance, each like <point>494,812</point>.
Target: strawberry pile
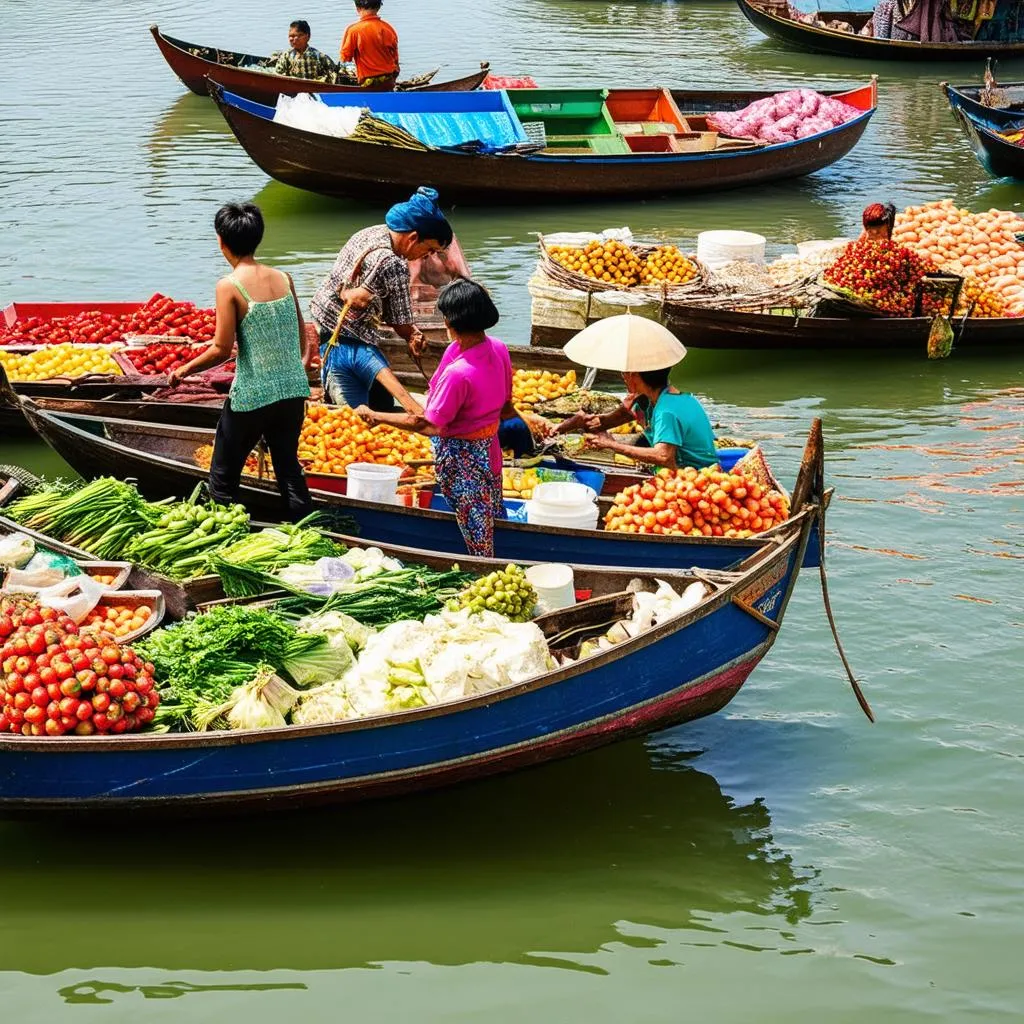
<point>55,680</point>
<point>153,360</point>
<point>160,315</point>
<point>881,274</point>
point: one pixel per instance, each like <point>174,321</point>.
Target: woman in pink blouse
<point>469,396</point>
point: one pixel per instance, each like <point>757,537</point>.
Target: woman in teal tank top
<point>257,306</point>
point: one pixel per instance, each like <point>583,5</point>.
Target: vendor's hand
<point>539,426</point>
<point>175,377</point>
<point>599,440</point>
<point>366,414</point>
<point>417,343</point>
<point>358,297</point>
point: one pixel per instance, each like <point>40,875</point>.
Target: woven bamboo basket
<point>581,282</point>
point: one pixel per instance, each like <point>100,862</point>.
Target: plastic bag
<point>308,113</point>
<point>16,550</point>
<point>940,338</point>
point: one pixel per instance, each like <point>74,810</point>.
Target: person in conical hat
<point>676,430</point>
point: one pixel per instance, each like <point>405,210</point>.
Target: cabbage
<point>324,664</point>
<point>339,628</point>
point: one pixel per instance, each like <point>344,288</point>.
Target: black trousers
<point>279,425</point>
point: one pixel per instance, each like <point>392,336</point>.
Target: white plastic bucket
<point>563,495</point>
<point>371,482</point>
<point>716,248</point>
<point>544,515</point>
<point>554,585</point>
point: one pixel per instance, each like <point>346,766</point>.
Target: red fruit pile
<point>697,503</point>
<point>880,273</point>
<point>55,680</point>
<point>86,328</point>
<point>160,315</point>
<point>153,360</point>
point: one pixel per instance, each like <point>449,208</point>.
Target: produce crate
<point>645,105</point>
<point>565,111</point>
<point>48,310</point>
<point>119,570</point>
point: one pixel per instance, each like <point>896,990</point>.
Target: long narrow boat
<point>161,460</point>
<point>593,155</point>
<point>701,327</point>
<point>685,668</point>
<point>245,74</point>
<point>851,44</point>
<point>987,129</point>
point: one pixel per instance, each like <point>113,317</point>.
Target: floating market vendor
<point>367,288</point>
<point>257,305</point>
<point>372,45</point>
<point>303,60</point>
<point>878,220</point>
<point>469,396</point>
<point>674,423</point>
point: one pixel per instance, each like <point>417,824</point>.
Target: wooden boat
<point>849,44</point>
<point>161,460</point>
<point>685,668</point>
<point>599,159</point>
<point>986,128</point>
<point>193,64</point>
<point>969,97</point>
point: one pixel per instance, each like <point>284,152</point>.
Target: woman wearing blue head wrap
<point>368,289</point>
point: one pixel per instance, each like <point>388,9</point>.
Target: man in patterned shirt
<point>302,60</point>
<point>369,283</point>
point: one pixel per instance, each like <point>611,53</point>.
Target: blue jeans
<point>350,371</point>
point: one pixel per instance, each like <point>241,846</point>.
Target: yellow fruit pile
<point>65,360</point>
<point>532,386</point>
<point>519,483</point>
<point>668,264</point>
<point>612,262</point>
<point>334,436</point>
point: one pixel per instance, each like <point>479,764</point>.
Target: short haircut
<point>439,231</point>
<point>879,213</point>
<point>240,227</point>
<point>466,306</point>
<point>368,5</point>
<point>302,26</point>
<point>655,378</point>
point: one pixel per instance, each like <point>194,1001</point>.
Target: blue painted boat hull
<point>1001,159</point>
<point>683,669</point>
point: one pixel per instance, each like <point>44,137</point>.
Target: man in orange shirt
<point>373,44</point>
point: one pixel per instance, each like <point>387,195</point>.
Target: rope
<point>857,692</point>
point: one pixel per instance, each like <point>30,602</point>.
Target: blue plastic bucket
<point>728,457</point>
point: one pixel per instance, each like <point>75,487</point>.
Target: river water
<point>782,861</point>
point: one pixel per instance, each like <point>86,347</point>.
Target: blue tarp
<point>495,130</point>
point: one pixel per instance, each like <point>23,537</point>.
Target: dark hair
<point>240,226</point>
<point>368,5</point>
<point>879,213</point>
<point>466,306</point>
<point>655,378</point>
<point>302,26</point>
<point>438,230</point>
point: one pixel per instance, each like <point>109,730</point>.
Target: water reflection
<point>547,860</point>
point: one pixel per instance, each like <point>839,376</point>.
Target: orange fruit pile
<point>333,437</point>
<point>612,262</point>
<point>667,263</point>
<point>697,503</point>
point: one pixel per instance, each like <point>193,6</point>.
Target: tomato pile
<point>55,680</point>
<point>881,273</point>
<point>160,315</point>
<point>153,360</point>
<point>697,503</point>
<point>86,328</point>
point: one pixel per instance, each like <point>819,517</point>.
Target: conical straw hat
<point>626,342</point>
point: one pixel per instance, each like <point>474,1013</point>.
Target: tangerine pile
<point>611,261</point>
<point>667,263</point>
<point>532,386</point>
<point>697,503</point>
<point>333,437</point>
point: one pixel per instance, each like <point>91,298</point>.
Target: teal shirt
<point>679,420</point>
<point>269,365</point>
